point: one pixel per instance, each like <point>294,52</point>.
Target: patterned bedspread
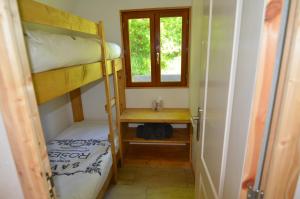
<point>71,156</point>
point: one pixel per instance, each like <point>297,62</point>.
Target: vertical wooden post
<point>108,97</point>
<point>117,104</point>
<point>75,97</point>
<point>122,87</point>
<point>19,107</point>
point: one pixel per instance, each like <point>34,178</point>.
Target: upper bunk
<point>52,82</point>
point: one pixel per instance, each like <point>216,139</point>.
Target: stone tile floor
<point>152,183</point>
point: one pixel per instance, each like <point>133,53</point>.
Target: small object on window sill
<point>157,104</point>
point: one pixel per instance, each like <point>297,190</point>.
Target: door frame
<point>282,163</point>
<point>19,107</point>
<point>262,96</point>
<point>274,171</point>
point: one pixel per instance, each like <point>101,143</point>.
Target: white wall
<point>297,192</point>
<point>10,186</point>
<point>66,5</point>
<point>250,32</point>
<point>56,115</point>
<point>172,97</point>
<point>196,75</point>
<point>94,100</point>
<point>109,12</point>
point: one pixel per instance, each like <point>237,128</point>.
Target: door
<point>221,55</point>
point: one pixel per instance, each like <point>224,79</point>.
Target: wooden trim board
<point>54,83</point>
<point>180,136</point>
<point>34,12</point>
<point>171,115</point>
<point>106,184</point>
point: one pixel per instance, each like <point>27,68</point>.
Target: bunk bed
<point>52,78</point>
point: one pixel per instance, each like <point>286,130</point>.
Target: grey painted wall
<point>10,186</point>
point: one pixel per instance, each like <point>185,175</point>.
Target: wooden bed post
<point>122,87</point>
<point>108,97</point>
<point>117,103</point>
<point>75,97</point>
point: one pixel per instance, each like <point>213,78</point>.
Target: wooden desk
<point>178,116</point>
<point>174,151</point>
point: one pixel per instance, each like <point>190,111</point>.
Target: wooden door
<point>19,107</point>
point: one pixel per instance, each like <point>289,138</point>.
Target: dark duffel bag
<point>154,131</point>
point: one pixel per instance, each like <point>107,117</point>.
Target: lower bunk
<point>81,160</point>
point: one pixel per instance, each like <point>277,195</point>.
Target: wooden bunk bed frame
<point>54,83</point>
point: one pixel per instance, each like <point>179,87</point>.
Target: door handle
<point>198,119</point>
<point>157,58</point>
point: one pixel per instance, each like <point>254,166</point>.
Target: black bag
<point>154,131</point>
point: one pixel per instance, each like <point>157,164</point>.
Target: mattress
<point>81,185</point>
<point>49,51</point>
<point>98,127</point>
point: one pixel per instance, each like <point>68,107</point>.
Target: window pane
<point>140,54</point>
<point>170,48</point>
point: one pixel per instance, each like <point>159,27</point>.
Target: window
<point>156,47</point>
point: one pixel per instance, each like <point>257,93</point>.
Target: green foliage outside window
<point>139,38</point>
<point>170,40</point>
<point>140,48</point>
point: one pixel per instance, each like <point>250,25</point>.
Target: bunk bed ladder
<point>108,97</point>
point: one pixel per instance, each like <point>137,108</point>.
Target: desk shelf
<point>176,116</point>
<point>180,136</point>
<point>174,151</point>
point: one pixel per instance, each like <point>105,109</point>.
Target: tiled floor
<point>152,183</point>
